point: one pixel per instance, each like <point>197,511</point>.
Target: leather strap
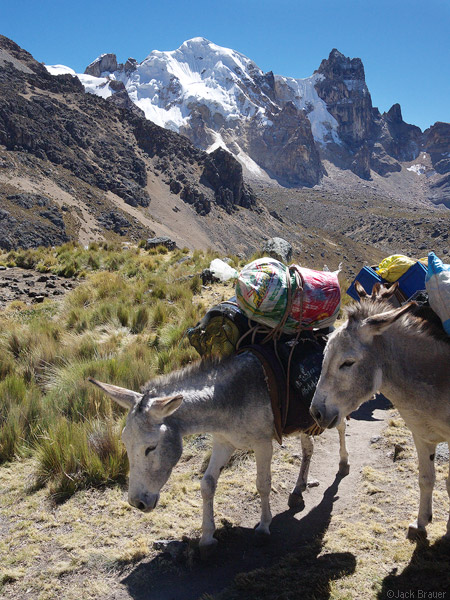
<point>274,381</point>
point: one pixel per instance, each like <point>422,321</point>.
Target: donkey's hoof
<point>416,534</point>
<point>344,469</point>
<point>296,501</point>
<point>208,550</point>
<point>261,537</point>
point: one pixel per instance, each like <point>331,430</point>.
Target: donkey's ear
<point>377,324</point>
<point>360,290</point>
<point>386,293</point>
<point>160,408</point>
<point>124,397</point>
<point>376,291</point>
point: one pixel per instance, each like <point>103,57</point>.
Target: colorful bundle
<point>263,288</point>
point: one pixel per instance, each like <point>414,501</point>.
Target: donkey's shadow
<point>289,562</point>
<point>426,576</point>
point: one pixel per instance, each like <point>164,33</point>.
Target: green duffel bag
<point>219,331</point>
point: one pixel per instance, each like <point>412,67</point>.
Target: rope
<point>275,333</point>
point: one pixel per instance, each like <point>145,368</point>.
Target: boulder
<point>160,241</point>
<point>279,249</point>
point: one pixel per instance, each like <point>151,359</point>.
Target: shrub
<point>21,413</point>
<point>123,315</point>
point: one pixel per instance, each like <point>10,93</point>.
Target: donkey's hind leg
<point>344,467</point>
<point>221,452</point>
<point>263,456</point>
<point>296,496</point>
<point>425,453</point>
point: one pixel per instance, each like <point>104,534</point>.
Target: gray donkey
<point>228,399</point>
<point>407,359</point>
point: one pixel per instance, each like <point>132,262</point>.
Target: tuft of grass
<point>139,320</point>
<point>72,456</point>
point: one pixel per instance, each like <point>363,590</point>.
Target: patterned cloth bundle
<point>262,293</point>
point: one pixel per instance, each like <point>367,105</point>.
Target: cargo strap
<point>276,384</point>
<point>278,387</point>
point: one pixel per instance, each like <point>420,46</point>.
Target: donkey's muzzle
<point>327,419</point>
<point>316,414</point>
<point>145,503</point>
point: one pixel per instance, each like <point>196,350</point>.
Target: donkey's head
<point>352,366</point>
<point>153,448</point>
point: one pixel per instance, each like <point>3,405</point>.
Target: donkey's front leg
<point>344,467</point>
<point>221,452</point>
<point>296,496</point>
<point>263,456</point>
<point>425,453</point>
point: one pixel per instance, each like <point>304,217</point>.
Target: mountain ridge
<point>279,128</point>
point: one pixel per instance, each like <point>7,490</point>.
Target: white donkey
<point>408,360</point>
<point>228,399</point>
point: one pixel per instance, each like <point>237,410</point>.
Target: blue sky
<point>404,44</point>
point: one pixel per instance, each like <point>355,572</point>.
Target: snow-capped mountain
<point>277,127</point>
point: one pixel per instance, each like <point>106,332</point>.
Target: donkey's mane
<point>189,372</point>
<point>422,320</point>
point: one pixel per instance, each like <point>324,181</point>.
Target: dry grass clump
<point>72,455</point>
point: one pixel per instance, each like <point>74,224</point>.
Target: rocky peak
<point>104,63</point>
<point>107,63</point>
<point>343,89</point>
<point>394,114</point>
<point>399,139</point>
<point>340,67</point>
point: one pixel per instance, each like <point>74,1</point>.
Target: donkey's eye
<point>149,449</point>
<point>347,363</point>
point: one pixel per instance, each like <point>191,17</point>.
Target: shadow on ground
<point>287,567</point>
<point>365,411</point>
<point>426,576</point>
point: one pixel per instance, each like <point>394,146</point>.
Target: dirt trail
<point>237,552</point>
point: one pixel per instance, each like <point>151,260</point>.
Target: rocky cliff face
<point>343,89</point>
<point>436,143</point>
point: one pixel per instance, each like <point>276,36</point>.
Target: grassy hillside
<point>124,322</point>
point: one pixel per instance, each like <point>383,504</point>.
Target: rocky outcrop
<point>103,64</point>
<point>437,143</point>
<point>372,141</point>
<point>343,89</point>
<point>107,63</point>
<point>285,148</point>
<point>30,220</point>
<point>154,242</point>
<point>224,174</point>
<point>399,140</point>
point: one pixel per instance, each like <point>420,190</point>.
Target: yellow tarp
<point>393,267</point>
